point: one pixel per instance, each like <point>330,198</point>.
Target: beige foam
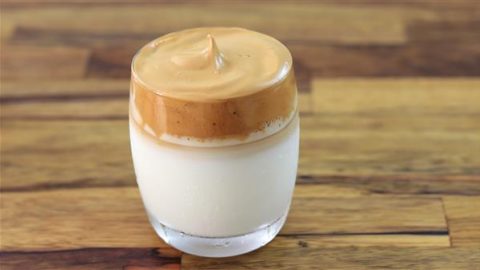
<point>212,83</point>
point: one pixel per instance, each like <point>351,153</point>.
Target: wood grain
<point>344,258</point>
<point>426,127</point>
<point>448,30</point>
<point>95,258</point>
<point>359,240</point>
<point>396,184</point>
<point>382,145</point>
<point>305,102</point>
<point>166,258</point>
<point>72,219</point>
<point>7,30</point>
<point>405,3</point>
<point>24,62</point>
<point>40,90</point>
<point>101,108</point>
<point>389,60</point>
<point>69,215</point>
<point>90,108</point>
<point>411,96</point>
<point>347,25</point>
<point>365,215</point>
<point>463,219</point>
<point>64,153</point>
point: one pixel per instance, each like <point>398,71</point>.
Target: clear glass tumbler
<point>216,195</point>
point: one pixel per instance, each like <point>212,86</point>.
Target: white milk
<point>217,191</point>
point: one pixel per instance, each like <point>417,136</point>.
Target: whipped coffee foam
<point>208,64</point>
<point>212,84</point>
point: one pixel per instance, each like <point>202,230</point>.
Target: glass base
<point>218,246</point>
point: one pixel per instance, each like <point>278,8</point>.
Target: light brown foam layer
<point>212,83</point>
<point>212,63</point>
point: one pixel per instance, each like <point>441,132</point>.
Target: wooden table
<point>389,173</point>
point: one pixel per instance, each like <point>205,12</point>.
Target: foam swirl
<point>212,63</point>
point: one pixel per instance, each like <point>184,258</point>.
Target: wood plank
<point>65,219</point>
<point>343,258</point>
<point>392,127</point>
<point>26,62</point>
<point>72,99</point>
<point>366,240</point>
<point>303,76</point>
<point>396,184</point>
<point>365,215</point>
<point>327,191</point>
<point>305,102</point>
<point>382,145</point>
<point>443,31</point>
<point>62,89</point>
<point>399,96</point>
<point>167,258</point>
<point>412,59</point>
<point>7,30</point>
<point>116,108</point>
<point>112,62</point>
<point>56,219</point>
<point>64,153</point>
<point>93,258</point>
<point>416,3</point>
<point>463,219</point>
<point>326,23</point>
<point>58,35</point>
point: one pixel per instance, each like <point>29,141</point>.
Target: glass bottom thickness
<point>216,247</point>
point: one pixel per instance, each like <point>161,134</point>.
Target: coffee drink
<point>214,133</point>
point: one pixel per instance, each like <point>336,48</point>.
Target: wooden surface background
<point>389,173</point>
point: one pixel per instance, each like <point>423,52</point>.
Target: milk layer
<point>217,191</point>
